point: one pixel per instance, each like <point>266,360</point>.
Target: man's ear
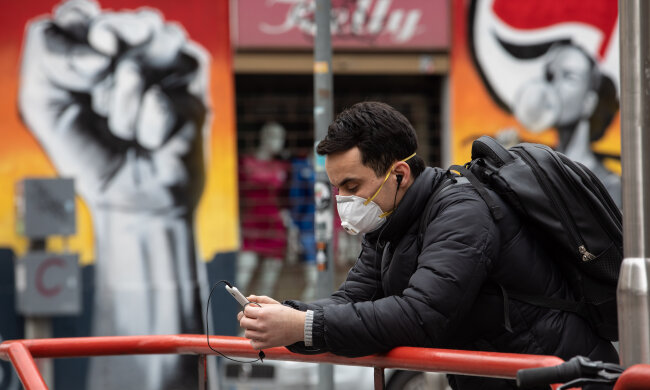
<point>402,173</point>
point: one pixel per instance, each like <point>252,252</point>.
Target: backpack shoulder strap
<point>578,307</point>
<point>495,210</point>
<point>551,303</point>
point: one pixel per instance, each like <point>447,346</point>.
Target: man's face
<point>351,177</point>
<point>569,74</point>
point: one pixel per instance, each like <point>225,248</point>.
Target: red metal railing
<point>636,377</point>
<point>502,365</point>
<point>24,364</point>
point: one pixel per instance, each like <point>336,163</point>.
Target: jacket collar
<point>410,208</point>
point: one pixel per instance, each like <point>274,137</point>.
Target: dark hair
<point>382,134</point>
<point>605,110</point>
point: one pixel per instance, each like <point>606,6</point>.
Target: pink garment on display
<point>261,183</point>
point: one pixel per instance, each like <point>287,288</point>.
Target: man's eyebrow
<point>343,182</point>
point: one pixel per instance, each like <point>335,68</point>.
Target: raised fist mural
<point>118,101</point>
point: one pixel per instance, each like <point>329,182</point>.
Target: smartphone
<point>239,297</point>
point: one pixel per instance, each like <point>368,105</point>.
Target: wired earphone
<point>207,326</point>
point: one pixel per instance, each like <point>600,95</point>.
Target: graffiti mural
<point>543,72</point>
<point>130,100</point>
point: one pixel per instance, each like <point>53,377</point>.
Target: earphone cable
<point>207,328</point>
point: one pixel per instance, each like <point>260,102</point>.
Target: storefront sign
<point>356,24</point>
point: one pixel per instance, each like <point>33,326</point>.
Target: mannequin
<point>301,194</point>
<point>266,225</point>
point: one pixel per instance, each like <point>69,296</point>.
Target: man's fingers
<point>257,345</point>
<point>249,323</point>
<point>252,311</point>
<point>262,299</point>
<point>254,335</point>
<point>240,315</point>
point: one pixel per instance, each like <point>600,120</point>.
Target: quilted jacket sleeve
<point>361,284</point>
<point>457,249</point>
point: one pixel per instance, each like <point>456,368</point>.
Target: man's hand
<point>262,299</point>
<point>272,324</point>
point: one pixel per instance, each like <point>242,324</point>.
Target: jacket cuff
<point>301,348</point>
<point>296,305</point>
<point>309,322</point>
<point>318,329</point>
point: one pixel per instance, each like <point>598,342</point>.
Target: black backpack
<point>566,206</point>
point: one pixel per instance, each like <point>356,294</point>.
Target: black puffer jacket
<point>445,295</point>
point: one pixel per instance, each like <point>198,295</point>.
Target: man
<point>445,289</point>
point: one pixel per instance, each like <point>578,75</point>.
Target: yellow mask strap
<point>382,184</point>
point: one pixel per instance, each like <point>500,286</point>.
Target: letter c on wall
<point>40,276</point>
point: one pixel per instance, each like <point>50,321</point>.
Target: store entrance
<point>278,110</point>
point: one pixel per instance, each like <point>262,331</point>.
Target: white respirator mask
<point>359,215</point>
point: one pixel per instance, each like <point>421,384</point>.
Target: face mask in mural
<point>566,95</point>
<point>538,106</point>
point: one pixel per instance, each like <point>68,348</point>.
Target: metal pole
<point>322,118</point>
<point>40,327</point>
<point>445,137</point>
<point>633,310</point>
<point>380,382</point>
<point>203,372</point>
